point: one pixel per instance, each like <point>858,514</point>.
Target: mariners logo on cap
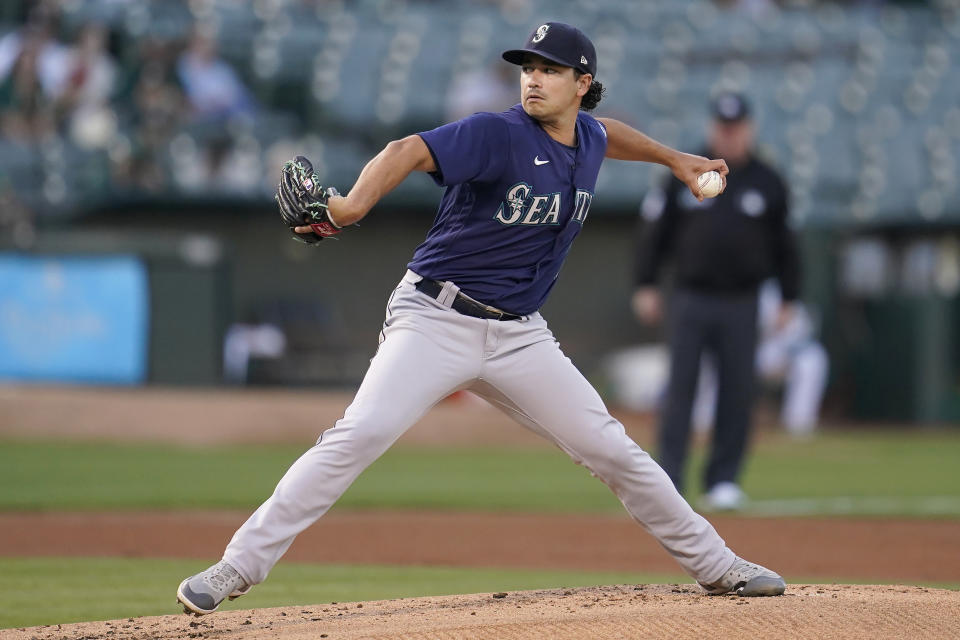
<point>541,33</point>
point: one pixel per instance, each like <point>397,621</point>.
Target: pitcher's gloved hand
<point>303,201</point>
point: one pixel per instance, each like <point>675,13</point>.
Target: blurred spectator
<point>37,35</point>
<point>17,220</point>
<point>245,341</point>
<point>213,88</point>
<point>489,88</point>
<point>32,73</point>
<point>217,164</point>
<point>133,104</point>
<point>155,111</point>
<point>84,97</point>
<point>238,169</point>
<point>25,110</point>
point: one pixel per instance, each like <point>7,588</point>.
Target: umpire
<point>721,249</point>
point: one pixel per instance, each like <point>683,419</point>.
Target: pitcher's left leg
<point>540,387</point>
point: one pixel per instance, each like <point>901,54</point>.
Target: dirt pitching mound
<point>625,611</point>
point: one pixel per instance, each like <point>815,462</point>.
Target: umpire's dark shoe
<point>202,594</point>
<point>747,579</point>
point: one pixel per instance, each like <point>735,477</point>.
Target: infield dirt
<point>622,611</point>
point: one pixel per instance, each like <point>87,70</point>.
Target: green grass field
<point>889,473</point>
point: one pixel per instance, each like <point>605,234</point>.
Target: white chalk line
<point>850,505</point>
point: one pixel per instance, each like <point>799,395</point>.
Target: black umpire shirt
<point>727,244</point>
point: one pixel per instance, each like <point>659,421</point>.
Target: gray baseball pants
<point>427,351</point>
<point>726,325</point>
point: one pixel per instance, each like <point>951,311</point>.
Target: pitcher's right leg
<point>426,352</point>
<point>411,372</point>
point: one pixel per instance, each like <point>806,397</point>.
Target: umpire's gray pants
<point>726,326</point>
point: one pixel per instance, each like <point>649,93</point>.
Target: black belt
<point>465,304</point>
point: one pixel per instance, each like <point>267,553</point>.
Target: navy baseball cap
<point>730,107</point>
<point>560,43</point>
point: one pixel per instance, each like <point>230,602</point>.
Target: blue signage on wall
<point>73,319</point>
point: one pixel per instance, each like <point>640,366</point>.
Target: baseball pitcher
<point>518,189</point>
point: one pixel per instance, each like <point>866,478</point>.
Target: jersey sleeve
<point>474,149</point>
<point>602,133</point>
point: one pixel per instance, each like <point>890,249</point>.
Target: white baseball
<point>710,184</point>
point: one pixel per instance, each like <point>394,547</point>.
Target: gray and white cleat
<point>747,579</point>
<point>202,594</point>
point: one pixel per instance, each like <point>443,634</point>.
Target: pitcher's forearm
<point>379,177</point>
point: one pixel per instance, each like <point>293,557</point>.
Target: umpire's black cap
<point>730,107</point>
<point>560,43</point>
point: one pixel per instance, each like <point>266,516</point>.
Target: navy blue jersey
<point>515,199</point>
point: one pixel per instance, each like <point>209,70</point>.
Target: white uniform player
<point>465,316</point>
<point>791,354</point>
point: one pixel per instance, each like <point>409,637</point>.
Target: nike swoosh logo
<point>537,161</point>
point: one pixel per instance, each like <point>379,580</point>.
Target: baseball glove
<point>303,201</point>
